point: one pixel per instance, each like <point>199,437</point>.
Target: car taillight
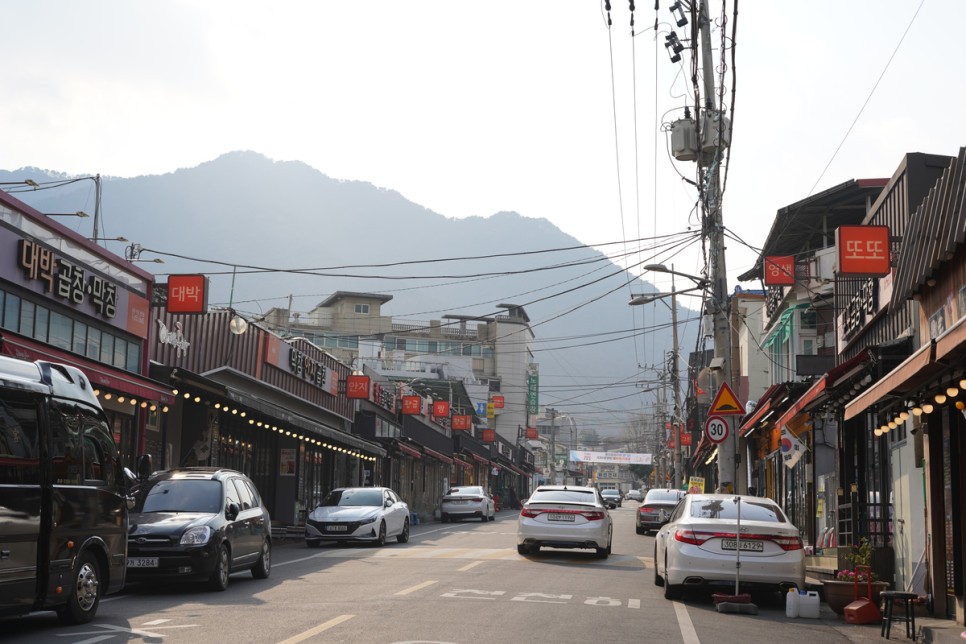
<point>530,514</point>
<point>692,537</point>
<point>788,543</point>
<point>647,508</point>
<point>593,516</point>
<point>476,499</point>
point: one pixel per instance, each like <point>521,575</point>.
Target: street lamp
<point>118,238</point>
<point>79,213</point>
<point>700,284</point>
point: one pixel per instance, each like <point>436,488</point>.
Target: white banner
<point>618,458</point>
<point>792,448</point>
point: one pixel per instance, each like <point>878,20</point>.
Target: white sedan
<point>699,544</point>
<point>358,514</point>
<point>468,502</point>
<point>564,516</point>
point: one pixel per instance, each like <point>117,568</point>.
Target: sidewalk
<point>928,629</point>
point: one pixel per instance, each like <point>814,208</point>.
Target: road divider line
<point>417,587</point>
<point>469,565</point>
<point>688,634</point>
<point>335,621</point>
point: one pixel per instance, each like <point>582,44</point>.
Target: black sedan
<point>198,523</point>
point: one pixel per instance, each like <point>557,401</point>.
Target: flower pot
<point>839,594</point>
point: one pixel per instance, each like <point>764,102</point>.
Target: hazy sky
<point>473,108</point>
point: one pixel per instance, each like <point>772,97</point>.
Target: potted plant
<point>857,581</point>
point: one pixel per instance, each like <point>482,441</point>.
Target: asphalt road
<point>454,583</point>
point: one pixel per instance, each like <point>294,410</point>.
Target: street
<point>451,583</point>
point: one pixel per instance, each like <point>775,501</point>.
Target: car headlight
<point>368,519</point>
<point>196,536</point>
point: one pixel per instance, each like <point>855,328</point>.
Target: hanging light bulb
<point>877,431</point>
<point>960,405</point>
<point>951,391</point>
<point>928,408</point>
<point>940,398</point>
<point>962,383</point>
<point>904,416</point>
<point>917,410</point>
<point>892,424</point>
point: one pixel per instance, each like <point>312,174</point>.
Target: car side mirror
<point>388,504</point>
<point>231,512</point>
<point>144,467</point>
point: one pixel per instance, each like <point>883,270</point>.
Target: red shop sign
<point>357,387</point>
<point>412,405</point>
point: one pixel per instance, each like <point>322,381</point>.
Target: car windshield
<point>728,509</point>
<point>353,497</point>
<point>179,495</point>
<point>562,496</point>
<point>467,490</point>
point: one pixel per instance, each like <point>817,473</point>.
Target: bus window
<point>67,457</point>
<point>19,459</point>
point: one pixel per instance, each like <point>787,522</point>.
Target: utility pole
<point>553,446</point>
<point>676,415</point>
<point>714,231</point>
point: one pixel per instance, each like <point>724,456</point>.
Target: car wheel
<point>658,579</point>
<point>219,576</point>
<point>83,595</point>
<point>523,549</point>
<point>313,544</point>
<point>675,591</point>
<point>263,567</point>
<point>640,530</point>
<point>493,517</point>
<point>403,537</point>
<point>483,518</point>
<point>381,539</point>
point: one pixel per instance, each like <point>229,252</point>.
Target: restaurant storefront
<point>65,299</point>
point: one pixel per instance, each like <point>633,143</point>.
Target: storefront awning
<point>463,464</point>
<point>480,459</point>
<point>406,449</point>
<point>438,456</point>
<point>283,415</point>
<point>912,372</point>
<point>99,374</point>
<point>811,395</point>
<point>764,406</point>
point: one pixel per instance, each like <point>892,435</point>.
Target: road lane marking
<point>688,634</point>
<point>335,621</point>
<point>469,565</point>
<point>417,587</point>
<point>633,603</point>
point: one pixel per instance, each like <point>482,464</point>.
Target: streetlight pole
<point>676,416</point>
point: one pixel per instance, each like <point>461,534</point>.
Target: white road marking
<point>335,621</point>
<point>688,634</point>
<point>633,603</point>
<point>469,565</point>
<point>417,587</point>
<point>156,622</point>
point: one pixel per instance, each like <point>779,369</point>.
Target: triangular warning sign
<point>726,402</point>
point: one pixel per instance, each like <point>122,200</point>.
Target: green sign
<point>533,394</point>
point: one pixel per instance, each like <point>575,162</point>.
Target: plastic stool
<point>890,599</point>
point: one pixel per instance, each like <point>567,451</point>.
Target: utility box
<point>684,140</point>
<point>715,131</point>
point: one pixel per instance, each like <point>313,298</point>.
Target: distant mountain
<point>247,211</point>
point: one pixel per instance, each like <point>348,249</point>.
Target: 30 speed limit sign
<point>716,429</point>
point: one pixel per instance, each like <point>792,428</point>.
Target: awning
<point>438,456</point>
<point>783,327</point>
<point>306,424</point>
<point>811,394</point>
<point>463,464</point>
<point>912,372</point>
<point>480,459</point>
<point>99,374</point>
<point>760,411</point>
<point>954,338</point>
<point>406,449</point>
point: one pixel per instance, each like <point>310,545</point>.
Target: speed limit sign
<point>716,429</point>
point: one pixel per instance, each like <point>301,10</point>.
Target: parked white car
<point>560,516</point>
<point>697,546</point>
<point>358,514</point>
<point>467,502</point>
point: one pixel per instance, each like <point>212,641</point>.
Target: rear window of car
<point>466,490</point>
<point>728,509</point>
<point>663,496</point>
<point>563,496</point>
<point>611,493</point>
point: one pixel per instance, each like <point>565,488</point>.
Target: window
<point>11,312</point>
<point>244,494</point>
<point>362,309</point>
<point>93,343</point>
<point>41,316</point>
<point>133,357</point>
<point>18,441</point>
<point>26,318</point>
<point>120,353</point>
<point>66,455</point>
<point>80,338</point>
<point>61,333</point>
<point>107,348</point>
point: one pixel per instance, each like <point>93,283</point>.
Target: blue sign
<point>481,409</point>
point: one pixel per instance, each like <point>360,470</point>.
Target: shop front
<point>65,299</point>
<point>265,406</point>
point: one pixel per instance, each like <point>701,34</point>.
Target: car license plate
<point>142,562</point>
<point>560,517</point>
<point>746,546</point>
<point>336,528</point>
<point>457,502</point>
